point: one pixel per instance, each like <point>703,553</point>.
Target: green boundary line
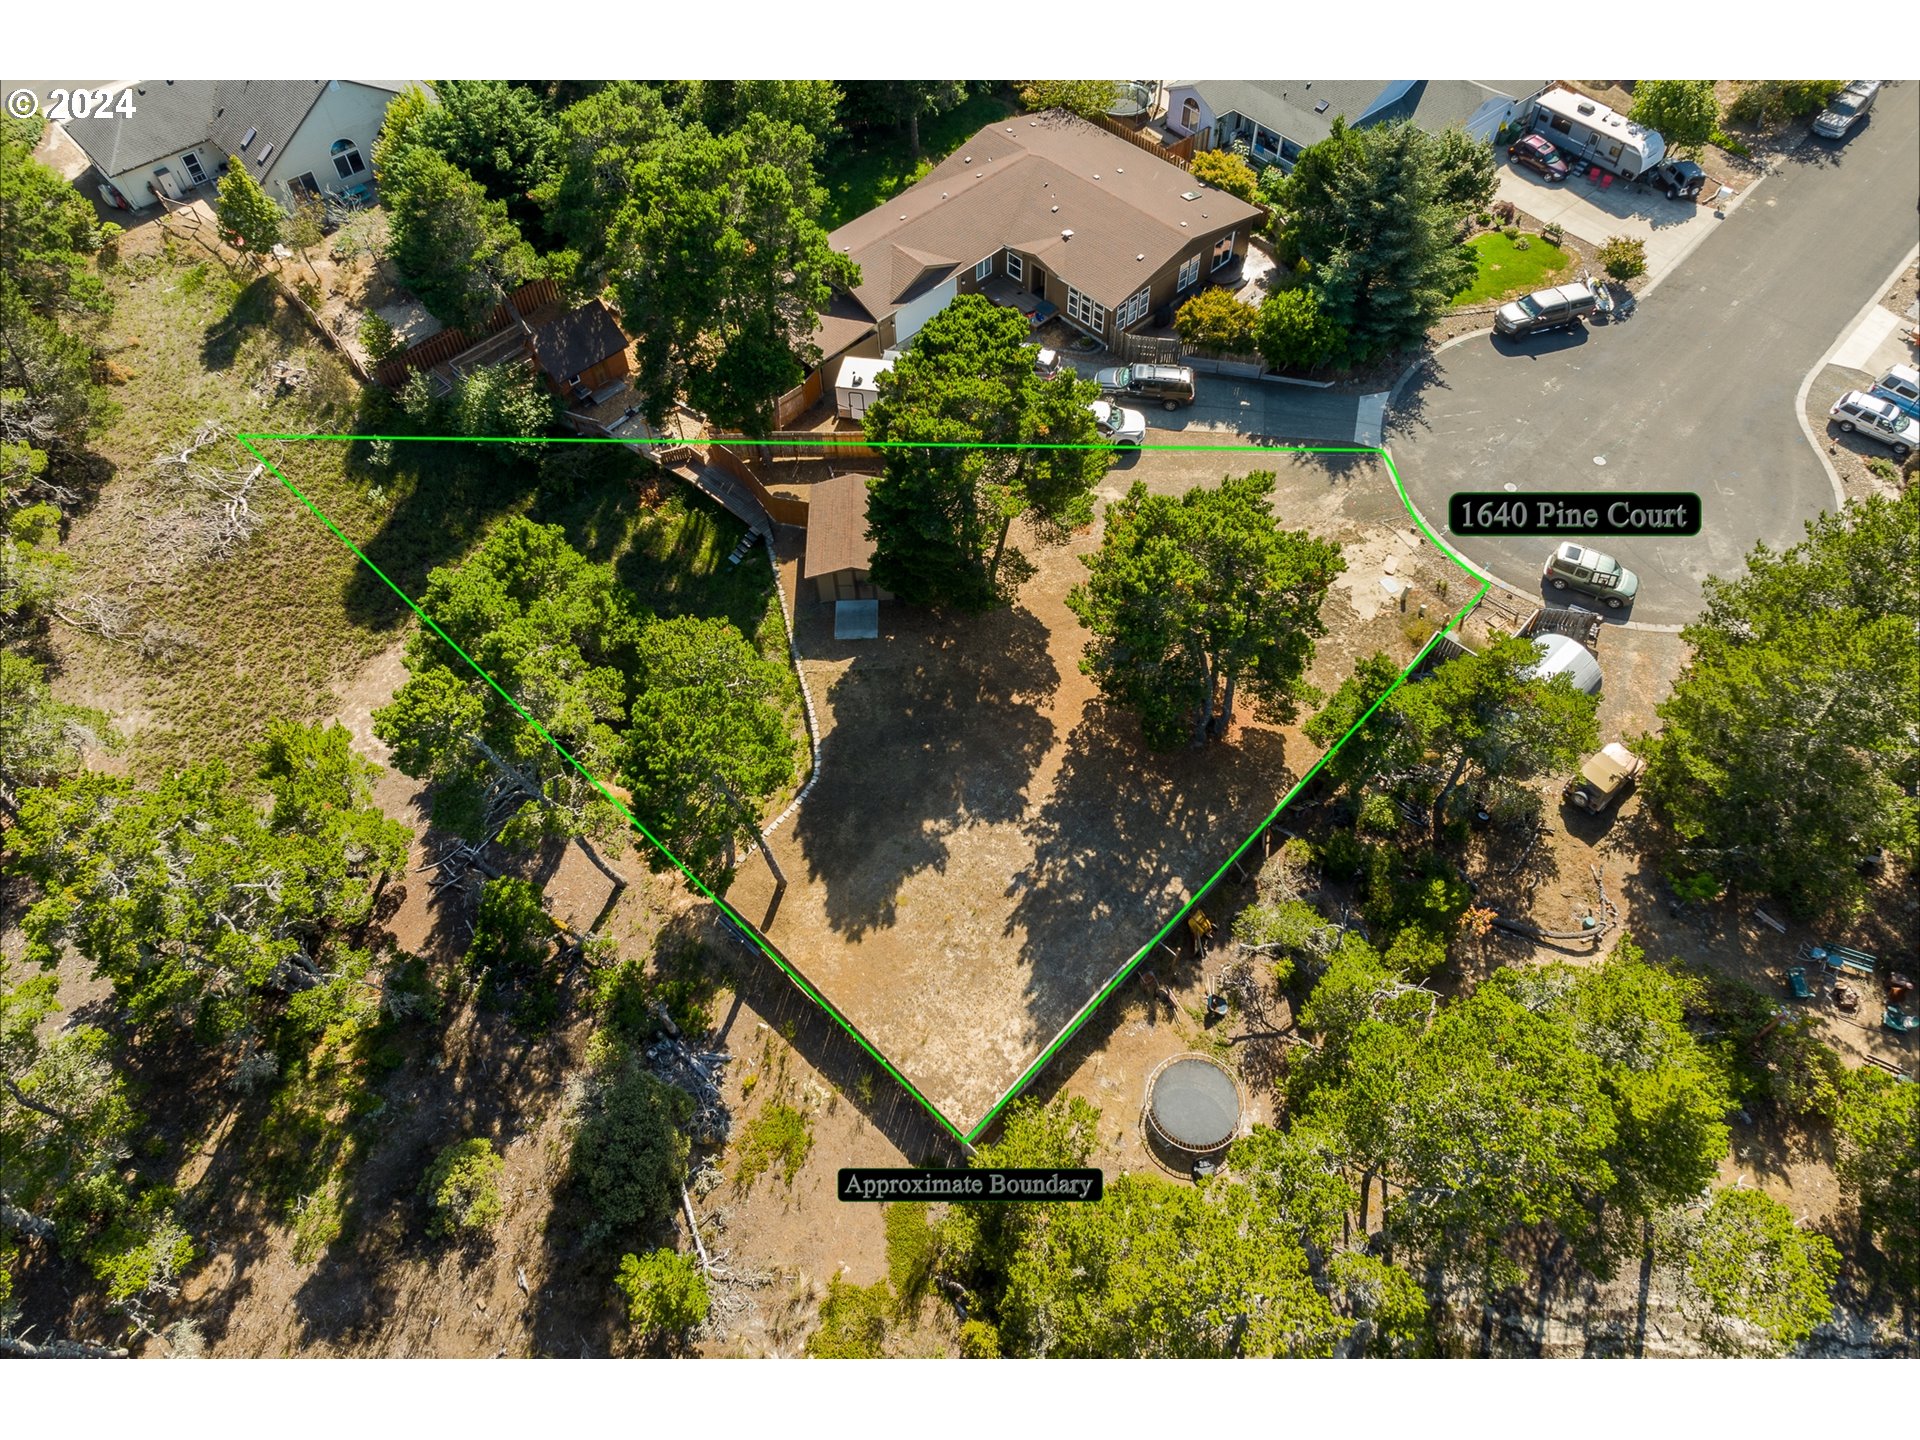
<point>747,931</point>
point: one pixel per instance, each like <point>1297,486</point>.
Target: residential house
<point>1277,119</point>
<point>298,138</point>
<point>1048,213</point>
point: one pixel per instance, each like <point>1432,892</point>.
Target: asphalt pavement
<point>1269,410</point>
<point>1696,390</point>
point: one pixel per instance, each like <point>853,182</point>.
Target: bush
<point>779,1132</point>
<point>1883,467</point>
<point>462,1188</point>
<point>1293,926</point>
<point>853,1322</point>
<point>1378,816</point>
<point>1214,320</point>
<point>1523,243</point>
<point>1552,232</point>
<point>666,1293</point>
<point>1512,232</point>
<point>377,337</point>
<point>1506,210</point>
<point>1343,854</point>
<point>1226,171</point>
<point>1483,219</point>
<point>979,1340</point>
<point>511,956</point>
<point>631,1153</point>
<point>1772,101</point>
<point>1417,950</point>
<point>1623,257</point>
<point>1294,333</point>
<point>912,1250</point>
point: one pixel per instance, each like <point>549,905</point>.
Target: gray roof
<point>168,116</point>
<point>1020,184</point>
<point>1286,107</point>
<point>175,115</point>
<point>575,342</point>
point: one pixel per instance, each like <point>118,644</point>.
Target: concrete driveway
<point>1696,391</point>
<point>1671,228</point>
<point>1264,410</point>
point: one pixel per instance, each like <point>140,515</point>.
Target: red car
<point>1537,154</point>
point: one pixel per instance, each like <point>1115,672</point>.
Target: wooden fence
<point>448,343</point>
<point>784,509</point>
<point>802,398</point>
<point>1177,154</point>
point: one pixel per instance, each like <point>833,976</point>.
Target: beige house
<point>298,138</point>
<point>1048,213</point>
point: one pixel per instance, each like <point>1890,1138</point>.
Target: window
<point>1189,114</point>
<point>983,269</point>
<point>304,187</point>
<point>1562,124</point>
<point>266,152</point>
<point>194,172</point>
<point>1016,267</point>
<point>247,139</point>
<point>346,159</point>
<point>1084,312</point>
<point>1132,310</point>
<point>1189,273</point>
<point>1223,250</point>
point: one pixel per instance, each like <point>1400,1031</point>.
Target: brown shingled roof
<point>1021,183</point>
<point>837,526</point>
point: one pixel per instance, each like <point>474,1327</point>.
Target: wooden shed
<point>581,352</point>
<point>838,550</point>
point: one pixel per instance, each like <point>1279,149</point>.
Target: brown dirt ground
<point>1025,844</point>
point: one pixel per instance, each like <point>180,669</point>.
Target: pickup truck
<point>1553,309</point>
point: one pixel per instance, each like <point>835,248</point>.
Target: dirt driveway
<point>988,843</point>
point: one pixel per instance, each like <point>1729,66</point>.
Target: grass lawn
<point>1505,271</point>
<point>859,177</point>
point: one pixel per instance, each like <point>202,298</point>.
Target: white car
<point>1561,655</point>
<point>1118,425</point>
<point>1878,420</point>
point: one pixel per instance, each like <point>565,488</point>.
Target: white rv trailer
<point>1588,129</point>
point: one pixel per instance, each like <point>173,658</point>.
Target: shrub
<point>1226,171</point>
<point>1483,219</point>
<point>1552,232</point>
<point>666,1293</point>
<point>462,1188</point>
<point>377,337</point>
<point>779,1132</point>
<point>1343,854</point>
<point>1771,101</point>
<point>1522,243</point>
<point>1506,210</point>
<point>308,292</point>
<point>1512,232</point>
<point>1214,320</point>
<point>979,1340</point>
<point>1417,950</point>
<point>511,956</point>
<point>853,1322</point>
<point>912,1249</point>
<point>1293,332</point>
<point>631,1153</point>
<point>1624,257</point>
<point>1378,816</point>
<point>1883,467</point>
<point>1292,927</point>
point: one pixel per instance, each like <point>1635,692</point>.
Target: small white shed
<point>857,385</point>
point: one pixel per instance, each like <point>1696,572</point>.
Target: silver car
<point>1858,413</point>
<point>1117,425</point>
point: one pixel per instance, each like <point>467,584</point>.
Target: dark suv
<point>1681,179</point>
<point>1169,386</point>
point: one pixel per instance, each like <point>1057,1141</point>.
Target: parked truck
<point>1588,130</point>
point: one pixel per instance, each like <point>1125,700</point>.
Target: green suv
<point>1574,567</point>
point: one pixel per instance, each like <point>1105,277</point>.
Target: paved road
<point>1695,391</point>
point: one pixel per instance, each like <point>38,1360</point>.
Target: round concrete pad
<point>1195,1104</point>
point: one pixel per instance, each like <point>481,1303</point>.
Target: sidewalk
<point>1670,228</point>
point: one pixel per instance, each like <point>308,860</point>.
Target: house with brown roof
<point>1049,213</point>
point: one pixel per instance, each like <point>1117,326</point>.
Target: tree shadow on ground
<point>937,729</point>
<point>1125,837</point>
<point>254,310</point>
